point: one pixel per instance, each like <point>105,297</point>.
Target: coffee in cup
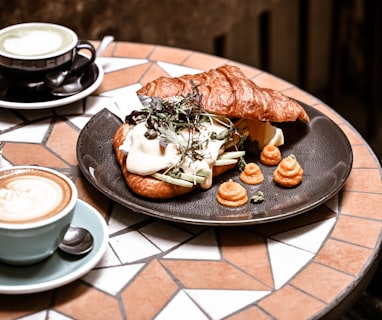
<point>29,195</point>
<point>28,51</point>
<point>36,208</point>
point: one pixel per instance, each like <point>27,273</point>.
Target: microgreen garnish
<point>180,120</point>
<point>258,197</point>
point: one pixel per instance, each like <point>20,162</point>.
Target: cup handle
<point>83,45</point>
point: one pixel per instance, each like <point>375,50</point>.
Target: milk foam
<point>35,40</point>
<point>33,43</point>
<point>30,197</point>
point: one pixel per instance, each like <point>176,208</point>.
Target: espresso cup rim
<point>41,57</point>
<point>44,222</point>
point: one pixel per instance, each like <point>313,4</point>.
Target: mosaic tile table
<point>300,268</point>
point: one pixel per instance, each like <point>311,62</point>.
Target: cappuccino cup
<point>36,208</point>
<point>28,51</point>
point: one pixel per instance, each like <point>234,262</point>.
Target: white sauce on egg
<point>146,156</point>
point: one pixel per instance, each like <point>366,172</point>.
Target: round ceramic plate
<point>321,148</point>
<point>49,101</point>
<point>60,268</point>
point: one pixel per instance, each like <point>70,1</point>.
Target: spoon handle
<point>106,40</point>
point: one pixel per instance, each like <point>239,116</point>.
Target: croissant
<point>147,186</point>
<point>227,91</point>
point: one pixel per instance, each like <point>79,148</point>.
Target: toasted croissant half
<point>227,91</point>
<point>224,91</point>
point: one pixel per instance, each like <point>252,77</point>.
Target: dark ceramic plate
<point>321,148</point>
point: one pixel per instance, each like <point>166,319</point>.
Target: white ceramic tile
<point>203,247</point>
<point>109,259</point>
<point>286,261</point>
<point>4,163</point>
<point>221,303</point>
<point>96,104</point>
<point>110,64</point>
<point>122,217</point>
<point>333,203</point>
<point>44,315</point>
<point>113,279</point>
<point>164,235</point>
<point>175,70</point>
<point>132,246</point>
<point>79,122</point>
<point>41,315</point>
<point>54,315</point>
<point>181,307</point>
<point>125,99</point>
<point>309,237</point>
<point>33,133</point>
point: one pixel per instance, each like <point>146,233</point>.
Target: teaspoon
<point>75,85</point>
<point>77,241</point>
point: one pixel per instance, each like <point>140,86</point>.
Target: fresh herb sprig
<point>166,118</point>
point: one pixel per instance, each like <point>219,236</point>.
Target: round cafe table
<point>309,266</point>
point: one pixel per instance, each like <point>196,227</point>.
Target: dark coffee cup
<point>29,51</point>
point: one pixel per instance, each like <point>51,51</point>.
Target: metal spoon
<point>76,84</point>
<point>55,79</point>
<point>77,241</point>
<point>106,40</point>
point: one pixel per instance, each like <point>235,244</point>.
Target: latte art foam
<point>31,196</point>
<point>33,43</point>
<point>36,40</point>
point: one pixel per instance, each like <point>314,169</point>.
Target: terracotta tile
<point>121,78</point>
<point>82,302</point>
<point>267,80</point>
<point>353,136</point>
<point>289,303</point>
<point>247,251</point>
<point>170,55</point>
<point>204,62</point>
<point>92,196</point>
<point>148,293</point>
<point>365,180</point>
<point>329,112</point>
<point>63,140</point>
<point>211,275</point>
<point>31,154</point>
<point>133,50</point>
<point>363,157</point>
<point>301,95</point>
<point>371,204</point>
<point>342,256</point>
<point>108,51</point>
<point>250,314</point>
<point>311,278</point>
<point>15,306</point>
<point>249,71</point>
<point>352,229</point>
<point>153,72</point>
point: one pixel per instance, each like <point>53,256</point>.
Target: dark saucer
<point>38,92</point>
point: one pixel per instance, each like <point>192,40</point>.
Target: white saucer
<point>60,268</point>
<point>57,102</point>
